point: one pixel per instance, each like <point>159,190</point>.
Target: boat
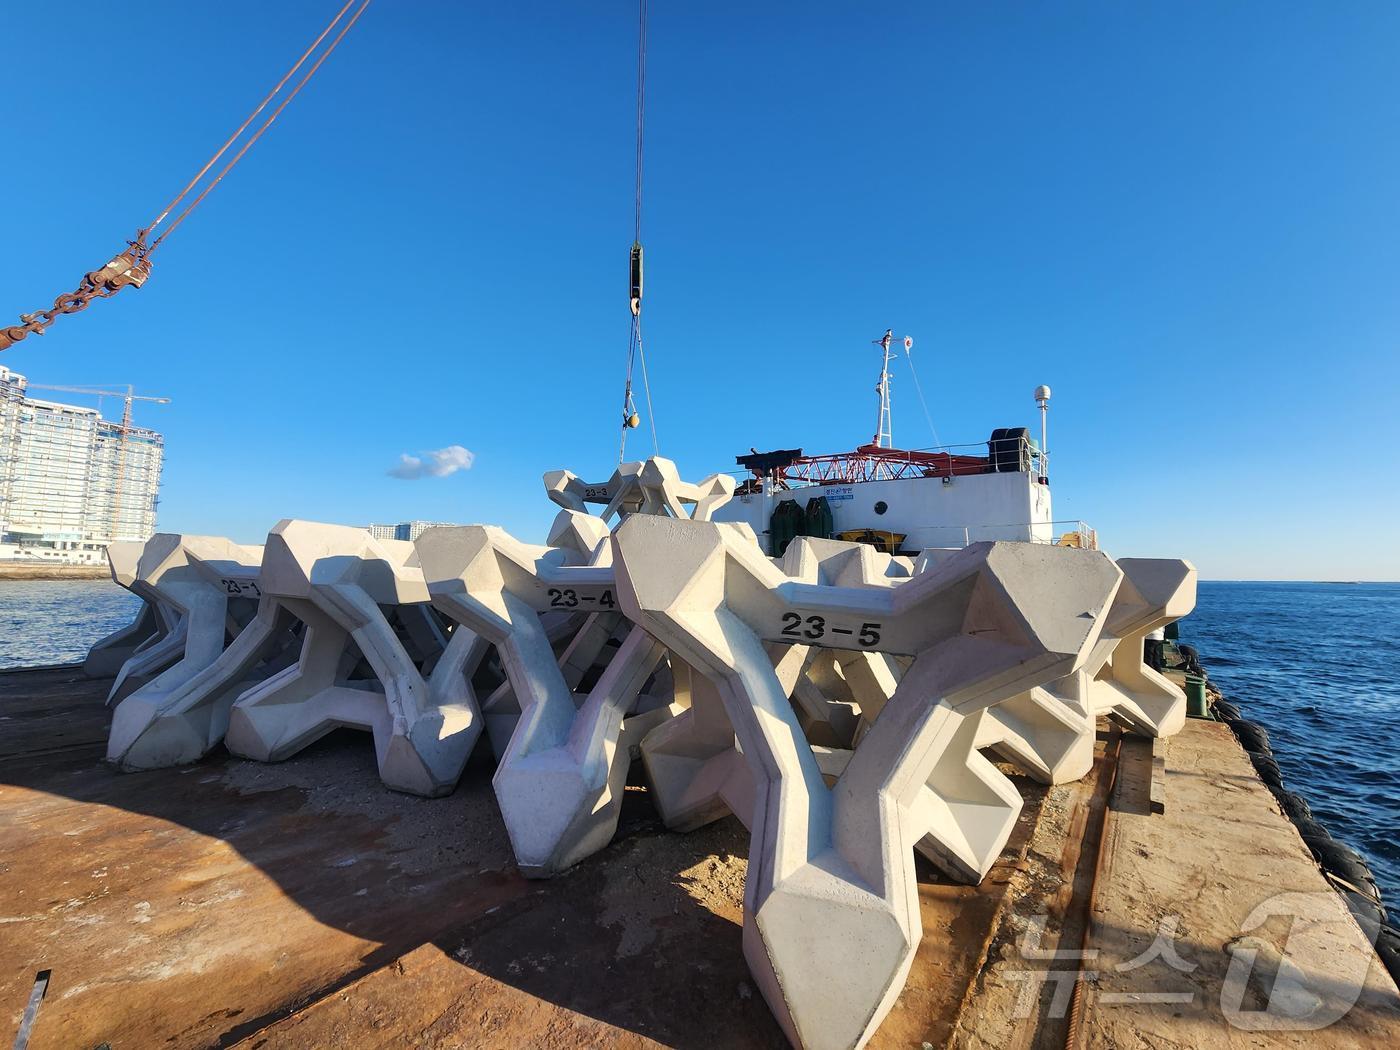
<point>905,501</point>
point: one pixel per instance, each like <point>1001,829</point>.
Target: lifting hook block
<point>130,267</point>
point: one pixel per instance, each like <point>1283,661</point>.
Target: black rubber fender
<point>1267,769</point>
<point>1253,737</point>
<point>1309,828</point>
<point>1388,948</point>
<point>1370,916</point>
<point>1226,711</point>
<point>1295,807</point>
<point>1344,862</point>
<point>1192,657</point>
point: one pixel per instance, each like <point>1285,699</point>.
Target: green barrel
<point>1196,703</point>
<point>819,519</point>
<point>788,522</point>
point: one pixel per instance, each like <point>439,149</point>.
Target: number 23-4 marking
<point>567,598</point>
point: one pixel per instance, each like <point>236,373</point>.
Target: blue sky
<point>1181,216</point>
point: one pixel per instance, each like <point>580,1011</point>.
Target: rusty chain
<point>130,267</point>
<point>133,266</point>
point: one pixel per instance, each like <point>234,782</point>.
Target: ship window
<point>881,507</point>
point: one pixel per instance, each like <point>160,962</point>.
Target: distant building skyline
<point>70,481</point>
<point>405,530</point>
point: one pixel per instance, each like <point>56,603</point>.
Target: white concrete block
<point>108,654</point>
<point>561,773</point>
<point>651,486</point>
<point>831,872</point>
<point>1155,592</point>
<point>839,694</point>
<point>199,589</point>
<point>337,581</point>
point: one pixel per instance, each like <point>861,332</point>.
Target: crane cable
<point>133,266</point>
<point>918,388</point>
<point>635,348</point>
<point>141,235</point>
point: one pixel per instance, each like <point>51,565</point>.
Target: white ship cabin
<point>906,501</point>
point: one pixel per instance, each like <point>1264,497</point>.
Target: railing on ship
<point>872,463</point>
<point>1063,533</point>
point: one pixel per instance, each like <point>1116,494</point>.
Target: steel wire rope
<point>252,116</point>
<point>919,389</point>
<point>164,212</point>
<point>635,347</point>
<point>132,266</point>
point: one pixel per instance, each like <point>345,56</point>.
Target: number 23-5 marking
<point>814,627</point>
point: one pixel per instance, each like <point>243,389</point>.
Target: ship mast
<point>884,427</point>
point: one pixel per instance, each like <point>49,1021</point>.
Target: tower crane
<point>102,392</point>
<point>124,428</point>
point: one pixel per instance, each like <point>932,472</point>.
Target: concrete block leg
<point>825,703</point>
<point>204,631</point>
<point>148,661</point>
<point>151,731</point>
<point>278,717</point>
<point>831,872</point>
<point>441,738</point>
<point>583,773</point>
<point>560,778</point>
<point>107,655</point>
<point>693,765</point>
<point>1048,736</point>
<point>577,640</point>
<point>202,588</point>
<point>1155,592</point>
<point>355,668</point>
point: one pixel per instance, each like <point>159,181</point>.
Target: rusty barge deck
<point>301,904</point>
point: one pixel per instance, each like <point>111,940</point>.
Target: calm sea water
<point>1318,664</point>
<point>55,621</point>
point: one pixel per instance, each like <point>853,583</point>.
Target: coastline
<point>21,570</point>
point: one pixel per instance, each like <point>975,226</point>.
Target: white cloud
<point>438,463</point>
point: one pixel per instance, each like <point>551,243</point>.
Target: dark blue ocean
<point>1318,664</point>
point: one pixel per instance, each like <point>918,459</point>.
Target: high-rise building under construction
<point>70,481</point>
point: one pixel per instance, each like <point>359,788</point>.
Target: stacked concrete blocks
<point>197,592</point>
<point>831,871</point>
<point>371,657</point>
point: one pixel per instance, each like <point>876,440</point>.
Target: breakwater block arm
<point>560,778</point>
<point>348,591</point>
<point>831,869</point>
